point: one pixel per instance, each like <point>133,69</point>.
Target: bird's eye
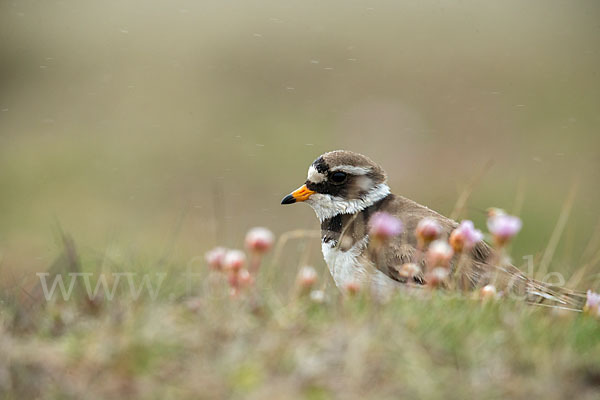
<point>338,177</point>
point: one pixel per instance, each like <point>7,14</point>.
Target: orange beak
<point>300,194</point>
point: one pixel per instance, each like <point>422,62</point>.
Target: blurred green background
<point>147,124</point>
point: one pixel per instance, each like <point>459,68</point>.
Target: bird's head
<point>341,182</point>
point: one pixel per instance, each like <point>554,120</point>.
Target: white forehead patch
<point>314,175</point>
<point>351,169</point>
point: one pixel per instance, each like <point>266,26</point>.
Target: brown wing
<point>403,249</point>
<point>479,269</point>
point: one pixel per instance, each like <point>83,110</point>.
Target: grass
<point>153,131</point>
<point>196,342</point>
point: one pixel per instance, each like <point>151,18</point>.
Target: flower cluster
<point>439,252</point>
<point>233,263</point>
<point>438,260</point>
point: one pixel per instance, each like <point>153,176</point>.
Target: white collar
<point>327,206</point>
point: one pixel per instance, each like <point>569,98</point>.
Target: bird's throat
<point>327,206</point>
<point>351,228</point>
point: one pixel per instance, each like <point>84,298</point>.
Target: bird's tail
<point>554,296</point>
<point>513,283</point>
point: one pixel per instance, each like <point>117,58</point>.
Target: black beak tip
<point>289,199</point>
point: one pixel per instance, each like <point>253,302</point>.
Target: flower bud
<point>488,292</point>
<point>234,260</point>
<point>437,277</point>
<point>383,226</point>
<point>428,230</point>
<point>259,240</point>
<point>465,237</point>
<point>352,287</point>
<point>494,212</point>
<point>215,257</point>
<point>439,254</point>
<point>503,228</point>
<point>317,296</point>
<point>592,304</point>
<point>307,277</point>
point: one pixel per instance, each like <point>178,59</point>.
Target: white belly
<point>348,266</point>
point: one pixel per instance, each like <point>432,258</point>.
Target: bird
<point>346,189</point>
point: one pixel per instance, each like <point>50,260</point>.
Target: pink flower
<point>259,240</point>
<point>592,304</point>
<point>383,226</point>
<point>439,254</point>
<point>428,229</point>
<point>234,260</point>
<point>465,237</point>
<point>215,258</point>
<point>307,277</point>
<point>504,227</point>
